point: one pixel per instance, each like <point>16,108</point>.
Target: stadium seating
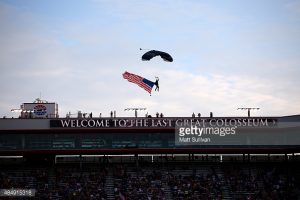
<point>179,181</point>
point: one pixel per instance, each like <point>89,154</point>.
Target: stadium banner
<point>156,122</point>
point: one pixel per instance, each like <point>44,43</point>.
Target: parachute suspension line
<point>143,49</point>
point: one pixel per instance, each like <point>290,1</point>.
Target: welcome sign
<point>161,122</point>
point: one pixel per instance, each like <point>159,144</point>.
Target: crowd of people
<point>35,180</point>
<point>149,183</point>
<point>57,183</point>
<point>141,184</point>
<point>195,187</point>
<point>73,183</point>
<point>262,182</point>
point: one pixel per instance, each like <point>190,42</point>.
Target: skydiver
<point>156,84</point>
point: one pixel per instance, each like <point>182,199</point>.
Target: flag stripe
<point>140,81</point>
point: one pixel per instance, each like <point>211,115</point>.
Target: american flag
<point>140,81</point>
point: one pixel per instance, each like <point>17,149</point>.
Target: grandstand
<point>155,180</point>
<point>44,156</point>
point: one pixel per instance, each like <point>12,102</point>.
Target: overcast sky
<point>227,54</point>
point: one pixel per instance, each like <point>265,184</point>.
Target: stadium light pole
<point>135,110</point>
<point>248,110</point>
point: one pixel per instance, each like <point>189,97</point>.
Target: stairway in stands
<point>52,184</point>
<point>167,190</point>
<point>109,186</point>
<point>226,191</point>
<point>51,179</point>
<point>165,186</point>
